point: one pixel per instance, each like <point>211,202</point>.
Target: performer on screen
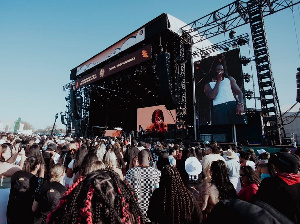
<point>158,124</point>
<point>228,102</point>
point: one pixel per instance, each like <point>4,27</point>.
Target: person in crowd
<point>101,150</point>
<point>193,168</point>
<point>69,163</point>
<point>163,160</point>
<point>24,186</point>
<point>180,165</point>
<point>199,153</point>
<point>262,169</point>
<point>283,190</point>
<point>172,202</point>
<point>233,165</point>
<point>144,179</point>
<point>228,101</point>
<point>120,162</point>
<point>110,162</point>
<point>101,197</point>
<point>245,159</point>
<point>131,152</point>
<point>172,156</point>
<point>208,159</point>
<point>253,156</point>
<point>89,164</point>
<point>50,156</point>
<point>135,161</point>
<point>220,187</point>
<point>6,171</point>
<point>75,164</point>
<point>50,194</point>
<point>250,183</point>
<point>158,125</point>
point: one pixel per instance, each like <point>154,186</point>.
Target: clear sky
<point>41,41</point>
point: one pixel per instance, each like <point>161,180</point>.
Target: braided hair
<point>100,197</point>
<point>178,202</point>
<point>220,177</point>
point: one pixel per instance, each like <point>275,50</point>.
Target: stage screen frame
<point>204,70</point>
<point>144,116</point>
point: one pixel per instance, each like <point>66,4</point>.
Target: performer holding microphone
<point>228,102</point>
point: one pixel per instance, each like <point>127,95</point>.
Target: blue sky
<point>41,41</point>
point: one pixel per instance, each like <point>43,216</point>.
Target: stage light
<point>241,41</point>
<point>245,61</point>
<point>246,77</point>
<point>248,94</point>
<point>231,34</point>
<point>298,84</point>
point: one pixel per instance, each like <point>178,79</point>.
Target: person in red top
<point>250,183</point>
<point>282,191</point>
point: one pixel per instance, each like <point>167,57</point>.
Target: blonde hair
<point>110,159</point>
<point>97,165</point>
<point>101,152</point>
<point>56,172</point>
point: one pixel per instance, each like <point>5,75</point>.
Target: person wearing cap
<point>193,168</point>
<point>233,165</point>
<point>283,190</point>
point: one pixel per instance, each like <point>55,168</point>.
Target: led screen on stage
<point>219,90</point>
<point>155,119</point>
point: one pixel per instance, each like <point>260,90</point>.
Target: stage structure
<point>226,19</point>
<point>149,67</point>
<point>154,66</point>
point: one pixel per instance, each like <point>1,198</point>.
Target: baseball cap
<point>193,166</point>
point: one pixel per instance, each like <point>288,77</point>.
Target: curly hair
<point>100,197</point>
<point>178,202</point>
<point>159,113</point>
<point>220,177</point>
<point>252,176</point>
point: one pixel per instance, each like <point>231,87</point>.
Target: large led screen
<point>219,90</point>
<point>155,119</point>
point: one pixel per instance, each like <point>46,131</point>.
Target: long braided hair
<point>177,200</point>
<point>101,197</point>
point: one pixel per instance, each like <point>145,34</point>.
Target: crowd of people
<point>50,179</point>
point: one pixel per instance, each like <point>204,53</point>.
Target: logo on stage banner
<point>128,61</point>
<point>122,45</point>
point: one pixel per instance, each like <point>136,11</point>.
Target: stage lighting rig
<point>231,34</point>
<point>248,94</point>
<point>246,77</point>
<point>244,60</point>
<point>242,41</point>
<point>298,84</point>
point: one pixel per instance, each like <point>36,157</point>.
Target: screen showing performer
<point>219,91</point>
<point>155,119</point>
